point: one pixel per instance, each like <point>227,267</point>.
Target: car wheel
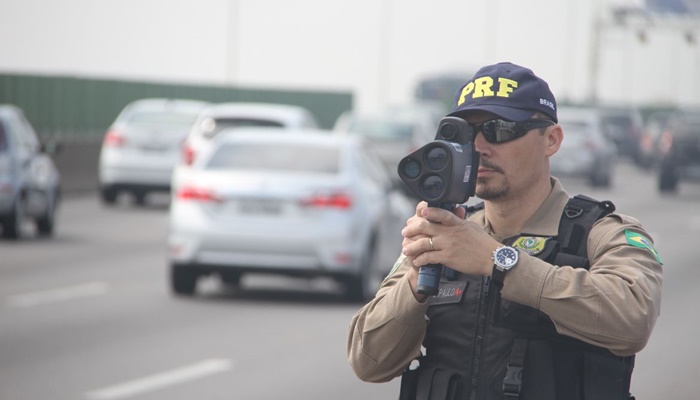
<point>183,279</point>
<point>108,195</point>
<point>601,175</point>
<point>12,226</point>
<point>45,223</point>
<point>363,286</point>
<point>668,180</point>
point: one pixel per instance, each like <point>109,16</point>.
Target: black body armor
<point>479,346</point>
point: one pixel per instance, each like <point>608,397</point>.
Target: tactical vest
<point>479,346</point>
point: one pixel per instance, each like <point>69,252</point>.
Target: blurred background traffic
<point>220,177</point>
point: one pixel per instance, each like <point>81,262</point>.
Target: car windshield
<point>574,131</point>
<point>162,118</point>
<point>211,127</point>
<point>382,129</point>
<point>271,157</point>
<point>655,125</point>
<point>619,124</point>
<point>620,120</point>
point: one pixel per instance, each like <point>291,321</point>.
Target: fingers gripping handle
<point>429,275</point>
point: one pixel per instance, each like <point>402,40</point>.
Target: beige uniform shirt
<point>613,305</point>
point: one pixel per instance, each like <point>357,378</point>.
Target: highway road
<point>87,315</point>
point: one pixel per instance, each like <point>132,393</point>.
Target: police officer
<point>552,297</point>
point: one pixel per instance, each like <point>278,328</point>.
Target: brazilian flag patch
<point>638,240</point>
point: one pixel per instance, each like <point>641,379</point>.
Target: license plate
<point>154,147</point>
<point>259,207</point>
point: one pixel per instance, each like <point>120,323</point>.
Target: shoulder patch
<point>397,264</point>
<point>638,240</point>
<point>532,245</point>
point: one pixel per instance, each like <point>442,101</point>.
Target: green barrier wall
<point>74,113</point>
<point>79,108</point>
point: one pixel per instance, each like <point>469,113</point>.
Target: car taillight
<point>188,154</point>
<point>114,138</point>
<point>665,142</point>
<point>335,200</point>
<point>5,188</point>
<point>198,194</point>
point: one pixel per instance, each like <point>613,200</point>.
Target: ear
<point>553,138</point>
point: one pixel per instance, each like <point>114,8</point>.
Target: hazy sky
<point>375,48</point>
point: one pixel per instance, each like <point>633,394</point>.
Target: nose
<point>480,143</point>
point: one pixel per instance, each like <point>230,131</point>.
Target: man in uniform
<point>524,316</point>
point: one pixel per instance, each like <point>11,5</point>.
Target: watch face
<point>506,256</point>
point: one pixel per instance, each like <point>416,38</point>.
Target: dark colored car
<point>623,125</point>
<point>648,146</point>
<point>679,147</point>
<point>29,180</point>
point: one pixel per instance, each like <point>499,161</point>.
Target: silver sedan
<point>265,200</point>
<point>225,116</point>
<point>142,147</point>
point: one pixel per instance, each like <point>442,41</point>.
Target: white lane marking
<point>161,380</point>
<point>58,294</point>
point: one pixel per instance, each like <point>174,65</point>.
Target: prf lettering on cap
<point>483,87</point>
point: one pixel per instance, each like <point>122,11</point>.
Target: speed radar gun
<point>443,173</point>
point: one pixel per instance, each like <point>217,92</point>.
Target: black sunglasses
<point>500,131</point>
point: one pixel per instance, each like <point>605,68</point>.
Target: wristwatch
<point>504,259</point>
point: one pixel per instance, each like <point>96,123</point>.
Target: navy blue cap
<point>510,91</point>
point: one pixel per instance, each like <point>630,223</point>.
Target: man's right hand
<point>412,277</point>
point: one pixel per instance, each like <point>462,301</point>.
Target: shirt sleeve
<point>387,333</point>
<point>614,304</point>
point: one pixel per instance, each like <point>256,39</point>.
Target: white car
<point>394,133</point>
<point>142,147</point>
<point>585,151</point>
<point>218,117</point>
<point>264,200</point>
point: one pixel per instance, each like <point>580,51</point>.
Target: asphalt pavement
<point>88,314</point>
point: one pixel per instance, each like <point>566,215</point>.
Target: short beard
<point>490,192</point>
<point>486,192</point>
